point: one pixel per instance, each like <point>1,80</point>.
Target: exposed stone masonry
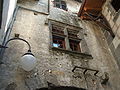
<point>54,65</point>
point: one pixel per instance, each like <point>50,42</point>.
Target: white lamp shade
<point>28,62</point>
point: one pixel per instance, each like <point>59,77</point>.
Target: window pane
<point>56,45</point>
<point>60,4</point>
<point>63,4</point>
<point>64,7</point>
<point>74,45</point>
<point>57,5</point>
<point>58,42</point>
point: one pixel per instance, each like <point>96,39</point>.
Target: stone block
<point>112,48</point>
<point>118,32</point>
<point>111,22</point>
<point>116,16</point>
<point>118,21</point>
<point>114,29</point>
<point>106,33</point>
<point>109,39</point>
<point>105,11</point>
<point>108,17</point>
<point>116,42</point>
<point>117,54</point>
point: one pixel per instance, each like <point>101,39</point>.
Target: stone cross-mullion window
<point>65,38</point>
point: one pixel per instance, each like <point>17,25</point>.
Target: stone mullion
<point>50,33</point>
<point>67,44</point>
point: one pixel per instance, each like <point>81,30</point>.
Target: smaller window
<point>63,5</point>
<point>60,4</point>
<point>116,4</point>
<point>79,1</point>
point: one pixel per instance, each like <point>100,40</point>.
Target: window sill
<point>82,55</point>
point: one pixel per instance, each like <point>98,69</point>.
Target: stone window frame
<point>67,50</point>
<point>66,37</point>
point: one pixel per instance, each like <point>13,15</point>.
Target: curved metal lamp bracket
<point>16,38</point>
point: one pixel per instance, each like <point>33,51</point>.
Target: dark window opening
<point>116,4</point>
<point>1,8</point>
<point>74,45</point>
<point>63,5</point>
<point>61,88</point>
<point>79,1</point>
<point>60,4</point>
<point>58,42</point>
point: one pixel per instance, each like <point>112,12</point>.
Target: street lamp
<point>28,61</point>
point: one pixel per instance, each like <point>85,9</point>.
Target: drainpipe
<point>7,35</point>
<point>1,10</point>
<point>48,6</point>
<point>45,13</point>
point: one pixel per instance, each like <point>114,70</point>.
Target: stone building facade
<point>113,17</point>
<point>43,26</point>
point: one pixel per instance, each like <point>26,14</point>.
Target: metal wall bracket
<point>85,70</point>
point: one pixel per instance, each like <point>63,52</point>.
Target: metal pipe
<point>86,69</point>
<point>48,6</point>
<point>7,35</point>
<point>33,10</point>
<point>1,10</point>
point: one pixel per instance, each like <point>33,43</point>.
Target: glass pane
<point>74,45</point>
<point>56,45</point>
<point>57,5</point>
<point>58,42</point>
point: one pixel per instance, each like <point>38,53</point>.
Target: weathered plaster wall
<point>113,18</point>
<point>53,65</point>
